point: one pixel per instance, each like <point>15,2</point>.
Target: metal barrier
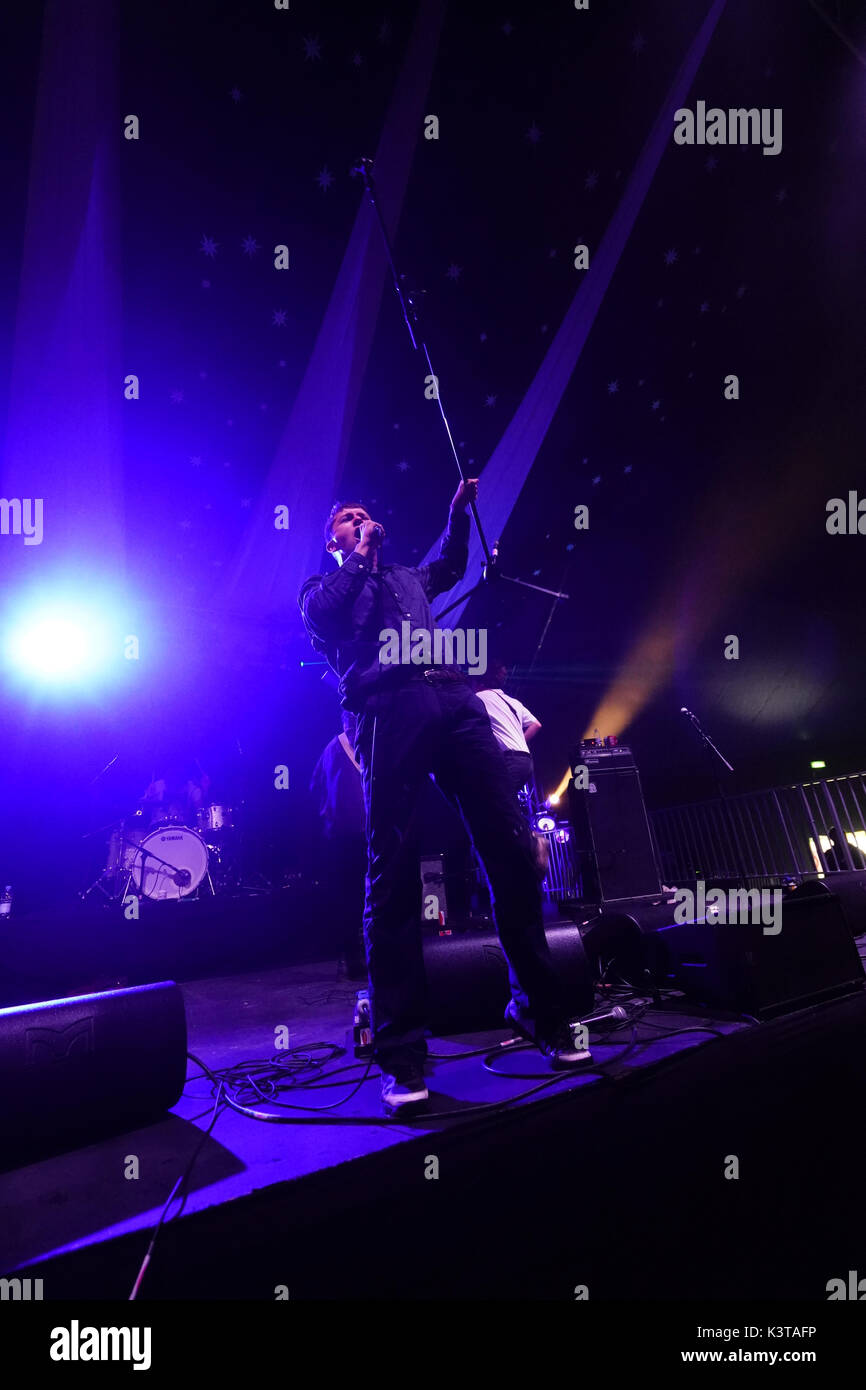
<point>756,837</point>
<point>562,880</point>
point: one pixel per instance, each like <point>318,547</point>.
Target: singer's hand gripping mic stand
<point>490,569</point>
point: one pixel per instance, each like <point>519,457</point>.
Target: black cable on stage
<point>227,1076</point>
<point>302,1062</point>
<point>182,1180</point>
<point>299,1069</point>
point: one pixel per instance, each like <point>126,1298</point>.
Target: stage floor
<point>58,1208</point>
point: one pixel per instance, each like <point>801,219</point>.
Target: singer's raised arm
<point>449,566</point>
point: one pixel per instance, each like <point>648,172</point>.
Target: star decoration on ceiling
<point>278,318</point>
<point>612,388</point>
<point>490,400</point>
<point>453,272</point>
<point>209,246</point>
<point>324,179</point>
<point>312,48</point>
<point>507,28</point>
<point>711,163</point>
<point>250,246</point>
<point>591,181</point>
<point>357,60</point>
<point>671,256</point>
<point>235,94</point>
<point>533,135</point>
<point>638,44</point>
<point>402,465</point>
<point>781,195</point>
<point>176,397</point>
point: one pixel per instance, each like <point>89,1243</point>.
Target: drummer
<point>176,796</point>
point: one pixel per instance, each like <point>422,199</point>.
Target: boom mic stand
<point>409,307</point>
<point>714,757</point>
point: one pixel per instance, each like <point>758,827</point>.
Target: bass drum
<point>170,862</point>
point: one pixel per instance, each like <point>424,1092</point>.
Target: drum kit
<point>166,858</point>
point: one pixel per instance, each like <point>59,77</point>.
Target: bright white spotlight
<point>59,645</point>
<point>52,647</point>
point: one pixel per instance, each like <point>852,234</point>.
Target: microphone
<point>182,877</point>
<point>377,532</point>
<point>615,1015</point>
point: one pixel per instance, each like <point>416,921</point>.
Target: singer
<point>413,721</point>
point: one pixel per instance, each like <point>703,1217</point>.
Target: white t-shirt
<point>508,719</point>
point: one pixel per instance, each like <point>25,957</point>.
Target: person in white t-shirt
<point>512,723</point>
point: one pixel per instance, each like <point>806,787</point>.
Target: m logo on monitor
<point>55,1044</point>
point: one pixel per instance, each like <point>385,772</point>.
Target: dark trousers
<point>402,736</point>
<point>344,861</point>
<point>519,768</point>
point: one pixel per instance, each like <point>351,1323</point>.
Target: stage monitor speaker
<point>76,1070</point>
<point>849,886</point>
<point>467,977</point>
<point>613,848</point>
<point>735,966</point>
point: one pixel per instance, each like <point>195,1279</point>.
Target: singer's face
<point>345,525</point>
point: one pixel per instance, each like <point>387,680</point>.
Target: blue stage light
<point>61,644</point>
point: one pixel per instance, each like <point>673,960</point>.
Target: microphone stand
<point>727,819</point>
<point>409,307</point>
<point>705,739</point>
